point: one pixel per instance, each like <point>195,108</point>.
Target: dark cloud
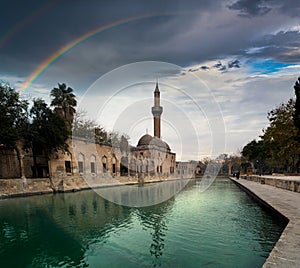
<point>220,66</point>
<point>179,32</point>
<point>252,8</point>
<point>234,64</point>
<point>290,7</point>
<point>282,46</point>
<point>249,8</point>
<point>33,31</point>
<point>203,67</point>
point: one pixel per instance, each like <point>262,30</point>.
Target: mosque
<point>152,157</point>
<point>153,149</point>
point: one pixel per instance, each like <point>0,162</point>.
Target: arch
<point>93,164</point>
<point>81,157</point>
<point>152,168</point>
<point>132,166</point>
<point>146,166</point>
<point>81,160</point>
<point>104,163</point>
<point>140,166</point>
<point>124,166</point>
<point>114,164</point>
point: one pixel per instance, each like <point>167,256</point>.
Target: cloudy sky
<point>221,65</point>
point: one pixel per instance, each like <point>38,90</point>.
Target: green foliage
<point>88,129</point>
<point>13,116</point>
<point>64,102</point>
<point>282,133</point>
<point>85,128</point>
<point>278,147</point>
<point>40,129</point>
<point>64,98</point>
<point>48,130</point>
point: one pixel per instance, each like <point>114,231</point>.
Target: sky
<point>221,65</point>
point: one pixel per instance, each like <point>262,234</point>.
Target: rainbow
<point>55,56</point>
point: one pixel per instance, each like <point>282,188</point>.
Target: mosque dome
<point>148,140</point>
<point>168,147</point>
<point>158,142</point>
<point>145,140</point>
<point>161,144</point>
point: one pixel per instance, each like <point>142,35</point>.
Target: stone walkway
<point>286,252</point>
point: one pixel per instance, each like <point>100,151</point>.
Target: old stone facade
<point>152,157</point>
<point>10,164</point>
<point>90,159</point>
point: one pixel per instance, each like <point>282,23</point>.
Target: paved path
<point>286,252</point>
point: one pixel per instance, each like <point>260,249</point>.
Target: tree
<point>64,102</point>
<point>257,152</point>
<point>278,147</point>
<point>48,131</point>
<point>282,136</point>
<point>83,127</point>
<point>296,115</point>
<point>14,122</point>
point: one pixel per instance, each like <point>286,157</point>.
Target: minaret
<point>157,111</point>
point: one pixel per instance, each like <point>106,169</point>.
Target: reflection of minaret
<point>157,111</point>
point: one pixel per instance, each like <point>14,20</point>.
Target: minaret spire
<point>157,111</point>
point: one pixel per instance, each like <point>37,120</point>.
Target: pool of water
<point>221,227</point>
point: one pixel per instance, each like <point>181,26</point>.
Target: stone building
<point>152,157</point>
<point>189,169</point>
<point>10,164</point>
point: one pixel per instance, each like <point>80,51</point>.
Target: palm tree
<point>64,102</point>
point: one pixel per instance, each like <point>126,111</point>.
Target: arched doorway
<point>104,164</point>
<point>114,164</point>
<point>124,166</point>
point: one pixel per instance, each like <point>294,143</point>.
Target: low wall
<point>282,183</point>
<point>19,187</point>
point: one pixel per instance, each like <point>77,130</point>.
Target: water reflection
<point>155,218</point>
<point>30,237</point>
<point>63,226</point>
<point>147,195</point>
<point>83,229</point>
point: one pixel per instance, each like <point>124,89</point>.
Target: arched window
<point>114,164</point>
<point>147,166</point>
<point>132,167</point>
<point>93,164</point>
<point>140,166</point>
<point>81,163</point>
<point>124,166</point>
<point>104,164</point>
<point>152,168</point>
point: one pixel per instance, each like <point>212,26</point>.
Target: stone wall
<point>291,185</point>
<point>10,167</point>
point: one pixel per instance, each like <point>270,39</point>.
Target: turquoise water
<point>221,227</point>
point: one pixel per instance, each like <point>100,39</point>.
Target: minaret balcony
<point>157,111</point>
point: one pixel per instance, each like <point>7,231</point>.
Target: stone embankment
<point>19,187</point>
<point>291,183</point>
<point>282,195</point>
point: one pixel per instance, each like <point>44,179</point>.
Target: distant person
<point>237,175</point>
